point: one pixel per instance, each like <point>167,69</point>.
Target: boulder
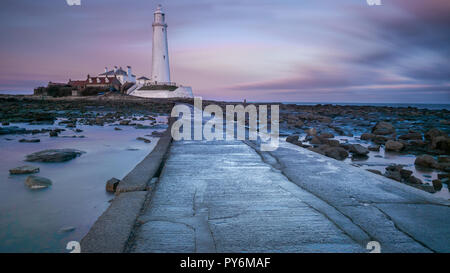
<point>311,132</point>
<point>383,128</point>
<point>36,182</point>
<point>112,184</point>
<point>367,136</point>
<point>337,153</point>
<point>426,161</point>
<point>299,124</point>
<point>432,133</point>
<point>34,140</point>
<point>291,139</point>
<point>394,146</point>
<point>144,139</point>
<point>375,171</point>
<point>331,142</point>
<point>393,175</point>
<point>414,180</point>
<point>380,139</point>
<point>124,122</point>
<point>53,133</point>
<point>54,155</point>
<point>326,135</point>
<point>315,140</point>
<point>358,149</point>
<point>405,173</point>
<point>24,170</point>
<point>441,143</point>
<point>437,184</point>
<point>374,148</point>
<point>411,136</point>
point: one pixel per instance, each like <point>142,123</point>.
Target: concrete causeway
<point>227,196</point>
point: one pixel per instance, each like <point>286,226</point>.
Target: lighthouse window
<point>162,30</point>
<point>164,57</point>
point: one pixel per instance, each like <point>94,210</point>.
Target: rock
<point>383,128</point>
<point>337,153</point>
<point>315,140</point>
<point>426,161</point>
<point>124,122</point>
<point>405,173</point>
<point>375,171</point>
<point>67,229</point>
<point>374,148</point>
<point>5,123</point>
<point>380,139</point>
<point>331,142</point>
<point>393,175</point>
<point>24,170</point>
<point>144,139</point>
<point>432,133</point>
<point>411,136</point>
<point>117,129</point>
<point>444,159</point>
<point>437,184</point>
<point>112,184</point>
<point>53,133</point>
<point>35,140</point>
<point>311,132</point>
<point>358,149</point>
<point>367,136</point>
<point>441,143</point>
<point>157,134</point>
<point>37,182</point>
<point>291,139</point>
<point>414,180</point>
<point>326,135</point>
<point>395,146</point>
<point>54,155</point>
<point>427,188</point>
<point>299,124</point>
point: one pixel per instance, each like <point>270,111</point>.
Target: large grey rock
<point>111,184</point>
<point>54,155</point>
<point>24,170</point>
<point>358,149</point>
<point>37,182</point>
<point>338,153</point>
<point>394,146</point>
<point>383,128</point>
<point>426,161</point>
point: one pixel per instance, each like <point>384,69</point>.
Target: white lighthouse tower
<point>160,51</point>
<point>160,84</point>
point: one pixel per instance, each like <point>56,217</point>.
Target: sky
<point>259,50</point>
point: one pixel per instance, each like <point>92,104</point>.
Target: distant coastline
<point>429,106</point>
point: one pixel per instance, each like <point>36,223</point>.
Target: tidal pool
<point>46,220</point>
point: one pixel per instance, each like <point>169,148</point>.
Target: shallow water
<point>31,220</point>
<point>380,160</point>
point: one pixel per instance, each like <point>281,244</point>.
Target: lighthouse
<point>160,84</point>
<point>160,51</point>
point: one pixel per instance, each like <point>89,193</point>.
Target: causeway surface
<point>227,196</point>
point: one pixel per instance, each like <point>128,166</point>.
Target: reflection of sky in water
<point>380,160</point>
<point>30,221</point>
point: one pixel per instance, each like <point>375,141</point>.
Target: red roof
<point>77,83</point>
<point>101,80</point>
